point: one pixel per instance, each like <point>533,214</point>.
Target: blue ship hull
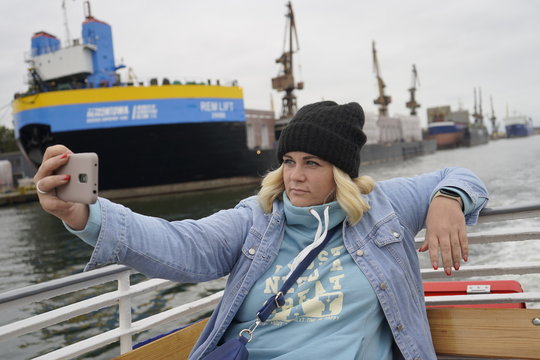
<point>518,130</point>
<point>145,136</point>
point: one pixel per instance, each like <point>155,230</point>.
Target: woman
<point>361,298</point>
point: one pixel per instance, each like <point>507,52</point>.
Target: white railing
<point>122,297</point>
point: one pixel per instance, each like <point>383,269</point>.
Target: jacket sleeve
<point>410,197</point>
<point>183,251</point>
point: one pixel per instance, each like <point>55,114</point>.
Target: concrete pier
<point>13,198</point>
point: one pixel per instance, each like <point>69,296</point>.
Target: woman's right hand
<point>75,215</point>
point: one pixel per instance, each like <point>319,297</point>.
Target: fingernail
<point>64,156</point>
<point>465,258</point>
<point>448,271</point>
<point>435,266</point>
<point>67,177</point>
<point>456,266</point>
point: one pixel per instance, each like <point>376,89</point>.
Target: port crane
<point>412,104</point>
<point>285,79</point>
<point>383,100</point>
<point>477,115</point>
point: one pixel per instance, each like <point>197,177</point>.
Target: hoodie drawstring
<point>320,235</point>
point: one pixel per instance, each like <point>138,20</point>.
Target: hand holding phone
<point>83,184</point>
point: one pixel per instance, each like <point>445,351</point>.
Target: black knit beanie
<point>330,131</point>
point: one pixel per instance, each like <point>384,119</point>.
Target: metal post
<point>124,312</point>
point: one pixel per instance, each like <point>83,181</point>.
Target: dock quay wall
<point>370,154</point>
<point>397,151</point>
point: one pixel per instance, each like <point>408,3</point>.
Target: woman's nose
<point>298,174</point>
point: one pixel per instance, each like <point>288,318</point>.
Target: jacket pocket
<point>389,233</point>
<point>251,244</point>
<point>390,238</point>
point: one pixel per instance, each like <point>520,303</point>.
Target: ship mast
<point>64,11</point>
<point>412,104</point>
<point>493,119</point>
<point>285,80</point>
<point>382,100</point>
<point>87,10</point>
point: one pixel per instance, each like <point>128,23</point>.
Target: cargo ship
<point>453,128</point>
<point>163,132</point>
<point>518,126</point>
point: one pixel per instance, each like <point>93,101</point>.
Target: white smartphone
<point>83,185</point>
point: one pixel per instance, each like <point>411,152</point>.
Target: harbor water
<point>35,246</point>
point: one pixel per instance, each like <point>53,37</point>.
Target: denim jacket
<point>243,243</point>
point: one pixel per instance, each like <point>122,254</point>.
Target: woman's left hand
<point>446,230</point>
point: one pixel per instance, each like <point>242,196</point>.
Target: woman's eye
<point>288,161</point>
<point>313,163</point>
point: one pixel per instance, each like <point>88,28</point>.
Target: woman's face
<point>308,179</point>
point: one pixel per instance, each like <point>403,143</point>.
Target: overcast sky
<point>456,45</point>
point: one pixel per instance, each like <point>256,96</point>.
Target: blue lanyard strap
<point>278,300</point>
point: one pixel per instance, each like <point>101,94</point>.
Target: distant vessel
<point>518,126</point>
<point>446,133</point>
<point>453,128</point>
<point>476,133</point>
<point>145,135</point>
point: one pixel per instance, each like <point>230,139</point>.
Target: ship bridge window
<point>265,139</point>
<point>250,136</point>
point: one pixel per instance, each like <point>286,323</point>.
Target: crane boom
<point>412,104</point>
<point>382,100</point>
<point>285,80</point>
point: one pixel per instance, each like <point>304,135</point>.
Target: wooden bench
<point>175,346</point>
<point>494,333</point>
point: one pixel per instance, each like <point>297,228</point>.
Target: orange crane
<point>285,79</point>
<point>383,100</point>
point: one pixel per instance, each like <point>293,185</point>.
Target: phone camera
<point>83,178</point>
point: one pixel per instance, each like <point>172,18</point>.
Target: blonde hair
<point>272,187</point>
<point>348,192</point>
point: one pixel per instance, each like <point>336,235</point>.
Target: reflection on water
<point>30,241</point>
<point>35,247</point>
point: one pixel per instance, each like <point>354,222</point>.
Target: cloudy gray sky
<point>456,45</point>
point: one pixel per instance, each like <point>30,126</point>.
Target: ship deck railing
<point>125,292</point>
